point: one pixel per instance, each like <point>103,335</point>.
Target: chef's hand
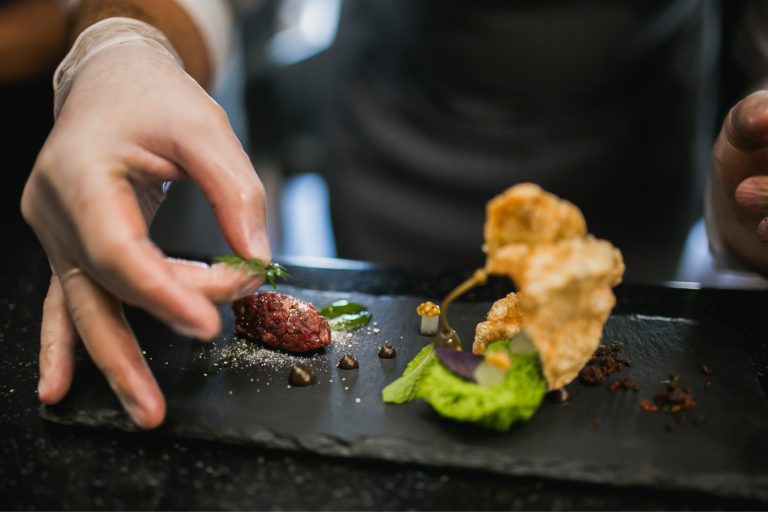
<point>133,120</point>
<point>738,191</point>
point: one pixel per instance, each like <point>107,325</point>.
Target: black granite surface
<point>43,465</point>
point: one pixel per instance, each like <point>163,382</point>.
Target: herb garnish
<point>271,272</point>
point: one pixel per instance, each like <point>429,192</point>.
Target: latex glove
<point>737,209</point>
<point>133,120</point>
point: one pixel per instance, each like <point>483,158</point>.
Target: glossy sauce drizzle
<point>447,336</point>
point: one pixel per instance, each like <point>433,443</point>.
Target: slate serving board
<point>597,437</point>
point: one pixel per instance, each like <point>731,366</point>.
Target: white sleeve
<point>100,36</point>
<point>215,19</point>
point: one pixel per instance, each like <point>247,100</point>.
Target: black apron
<point>440,105</point>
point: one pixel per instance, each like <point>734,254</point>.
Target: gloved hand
<point>737,202</point>
<point>133,120</point>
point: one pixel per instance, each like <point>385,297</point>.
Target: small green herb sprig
<point>271,272</point>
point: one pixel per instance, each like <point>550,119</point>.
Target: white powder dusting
<point>239,354</point>
<point>243,354</point>
<point>342,342</point>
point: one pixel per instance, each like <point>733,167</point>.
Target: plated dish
<point>533,340</point>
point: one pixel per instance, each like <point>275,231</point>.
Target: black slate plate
<point>725,453</point>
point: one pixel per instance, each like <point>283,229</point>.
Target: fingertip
<point>195,314</point>
<point>211,327</point>
<point>747,123</point>
<point>752,194</point>
<point>141,398</point>
<point>248,288</point>
<point>56,372</point>
<point>50,392</point>
<point>151,413</point>
<point>204,326</point>
<point>57,343</point>
<point>762,232</point>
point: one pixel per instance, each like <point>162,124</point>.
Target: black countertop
<point>48,466</point>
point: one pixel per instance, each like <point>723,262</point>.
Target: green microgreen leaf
<point>271,272</point>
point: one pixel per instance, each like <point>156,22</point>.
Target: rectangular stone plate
<point>598,436</point>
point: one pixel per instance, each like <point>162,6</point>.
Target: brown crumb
<point>592,376</point>
<point>628,384</point>
<point>610,365</point>
<point>596,422</point>
<point>706,369</point>
<point>614,387</point>
<point>604,362</point>
<point>673,400</point>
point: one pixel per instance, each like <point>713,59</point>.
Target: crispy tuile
<point>525,216</point>
<point>504,321</point>
<point>564,277</point>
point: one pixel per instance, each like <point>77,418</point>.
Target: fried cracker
<point>504,321</point>
<point>524,216</point>
<point>564,277</point>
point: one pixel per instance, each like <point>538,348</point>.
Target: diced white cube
<point>429,325</point>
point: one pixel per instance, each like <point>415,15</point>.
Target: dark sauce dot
<point>348,362</point>
<point>301,375</point>
<point>559,396</point>
<point>387,352</point>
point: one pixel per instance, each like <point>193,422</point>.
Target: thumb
<point>746,127</point>
<point>740,151</point>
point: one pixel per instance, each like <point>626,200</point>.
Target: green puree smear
<point>497,407</point>
<point>343,315</point>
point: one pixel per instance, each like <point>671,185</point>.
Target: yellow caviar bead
<point>428,309</point>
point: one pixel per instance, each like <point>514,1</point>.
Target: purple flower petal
<point>462,364</point>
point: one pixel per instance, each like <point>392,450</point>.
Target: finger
<point>752,195</point>
<point>58,339</point>
<point>223,171</point>
<point>147,167</point>
<point>120,256</point>
<point>220,282</point>
<point>111,344</point>
<point>741,149</point>
<point>762,232</point>
<point>746,126</point>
